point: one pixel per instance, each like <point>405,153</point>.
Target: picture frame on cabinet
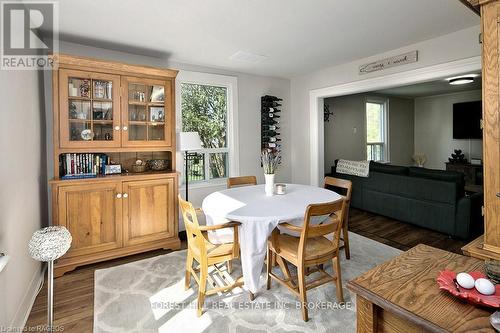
<point>157,114</point>
<point>157,94</point>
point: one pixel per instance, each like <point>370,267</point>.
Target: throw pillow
<point>355,168</point>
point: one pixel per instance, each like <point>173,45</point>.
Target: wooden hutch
<point>124,113</point>
<point>488,245</point>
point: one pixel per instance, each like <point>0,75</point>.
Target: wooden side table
<point>402,295</point>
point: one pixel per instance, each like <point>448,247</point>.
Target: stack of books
<point>87,165</point>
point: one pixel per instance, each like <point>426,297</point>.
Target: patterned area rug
<point>149,296</point>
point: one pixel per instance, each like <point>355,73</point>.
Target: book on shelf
<point>80,176</point>
<point>82,165</point>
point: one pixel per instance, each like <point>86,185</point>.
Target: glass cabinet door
<point>89,104</point>
<point>146,112</point>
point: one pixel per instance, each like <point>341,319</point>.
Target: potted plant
<point>270,164</point>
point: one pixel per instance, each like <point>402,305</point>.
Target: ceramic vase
<point>269,187</point>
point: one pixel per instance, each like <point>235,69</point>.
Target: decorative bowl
<point>493,270</point>
<point>446,281</point>
<point>159,164</point>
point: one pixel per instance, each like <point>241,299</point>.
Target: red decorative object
<point>446,282</point>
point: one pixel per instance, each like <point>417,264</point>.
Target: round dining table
<point>259,215</point>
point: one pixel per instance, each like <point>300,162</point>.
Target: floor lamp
<point>188,141</point>
<point>49,244</point>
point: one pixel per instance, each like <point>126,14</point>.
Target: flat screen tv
<point>466,120</point>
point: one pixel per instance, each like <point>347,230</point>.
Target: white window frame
<point>231,84</point>
<point>385,104</point>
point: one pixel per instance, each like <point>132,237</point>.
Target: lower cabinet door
<point>148,210</point>
<point>93,215</point>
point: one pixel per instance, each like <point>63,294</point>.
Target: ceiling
<point>294,36</point>
<point>438,87</point>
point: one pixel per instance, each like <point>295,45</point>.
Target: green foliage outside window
<point>204,110</point>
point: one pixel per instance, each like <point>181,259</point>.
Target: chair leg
<point>269,263</point>
<point>346,241</point>
<point>229,266</point>
<point>189,264</point>
<point>338,282</point>
<point>302,291</point>
<point>202,289</point>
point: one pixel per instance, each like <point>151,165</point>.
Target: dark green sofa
<point>433,199</point>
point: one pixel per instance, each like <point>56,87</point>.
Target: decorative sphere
<point>465,280</point>
<point>484,286</point>
<point>49,243</point>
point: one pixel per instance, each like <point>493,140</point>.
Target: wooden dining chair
<point>347,186</point>
<point>207,254</point>
<point>308,252</point>
<point>241,181</point>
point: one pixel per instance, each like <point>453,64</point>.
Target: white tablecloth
<point>259,215</point>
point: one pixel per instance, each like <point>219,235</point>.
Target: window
<point>207,106</point>
<point>376,130</point>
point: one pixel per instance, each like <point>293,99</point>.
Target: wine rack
<point>270,112</point>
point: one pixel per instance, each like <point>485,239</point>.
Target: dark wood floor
<point>74,292</point>
<point>397,234</point>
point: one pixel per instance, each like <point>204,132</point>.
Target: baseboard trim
<point>24,309</point>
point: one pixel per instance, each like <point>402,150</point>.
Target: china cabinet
<point>488,245</point>
<point>110,114</point>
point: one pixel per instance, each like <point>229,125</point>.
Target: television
<point>467,120</point>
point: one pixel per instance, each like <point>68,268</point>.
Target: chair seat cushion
<point>216,250</point>
<point>213,250</point>
<point>316,247</point>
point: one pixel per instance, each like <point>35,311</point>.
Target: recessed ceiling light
<point>461,80</point>
<point>248,57</point>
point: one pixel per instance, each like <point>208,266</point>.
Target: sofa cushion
<point>442,175</point>
<point>387,168</point>
<point>412,187</point>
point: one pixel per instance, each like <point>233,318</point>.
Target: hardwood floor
<point>398,234</point>
<point>74,292</point>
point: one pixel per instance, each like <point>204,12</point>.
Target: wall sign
<point>398,60</point>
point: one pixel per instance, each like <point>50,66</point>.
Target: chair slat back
<point>336,212</point>
<point>340,183</point>
<point>241,181</point>
<point>193,232</point>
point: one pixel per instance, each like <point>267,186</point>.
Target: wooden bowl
<point>138,168</point>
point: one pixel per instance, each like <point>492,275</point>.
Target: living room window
<point>207,106</point>
<point>376,130</point>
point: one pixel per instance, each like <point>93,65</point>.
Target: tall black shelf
<point>270,119</point>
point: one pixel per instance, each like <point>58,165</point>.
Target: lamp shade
<point>189,141</point>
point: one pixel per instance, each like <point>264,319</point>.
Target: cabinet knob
<point>117,128</point>
<point>125,195</point>
<point>498,194</point>
<point>119,195</point>
<point>125,128</point>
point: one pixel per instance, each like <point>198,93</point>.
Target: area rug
<point>149,296</point>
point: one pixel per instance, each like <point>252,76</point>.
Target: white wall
<point>459,45</point>
<point>342,141</point>
<point>434,128</point>
<point>23,198</point>
<point>401,130</point>
<point>250,89</point>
